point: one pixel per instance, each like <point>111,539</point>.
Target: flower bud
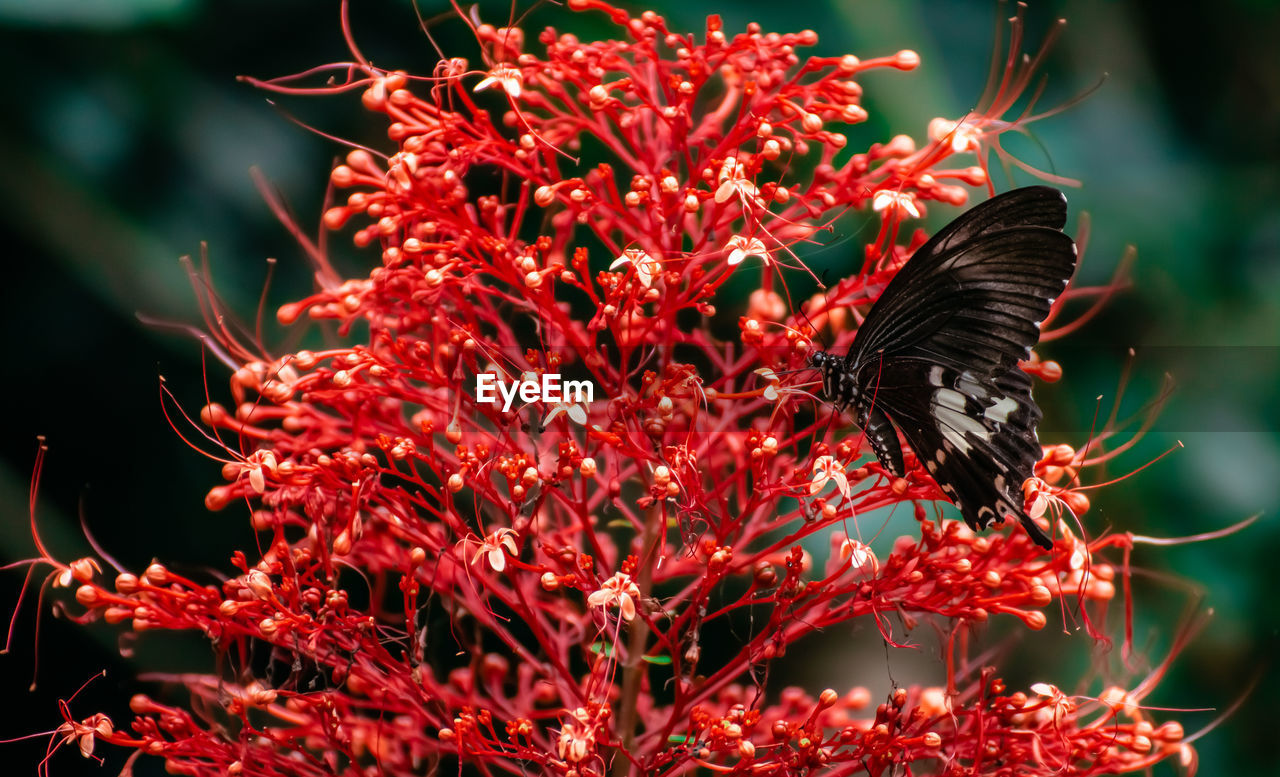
<point>87,595</point>
<point>259,584</point>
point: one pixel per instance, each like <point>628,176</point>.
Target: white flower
<point>578,737</point>
<point>576,411</point>
<point>1057,705</point>
<point>82,570</point>
<point>827,469</point>
<point>733,180</point>
<point>771,379</point>
<point>619,591</point>
<point>741,247</point>
<point>904,201</point>
<point>98,725</point>
<point>646,266</point>
<point>258,465</point>
<point>510,78</point>
<point>493,547</point>
<point>964,137</point>
<point>859,555</point>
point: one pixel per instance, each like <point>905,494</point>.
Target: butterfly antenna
<point>794,371</point>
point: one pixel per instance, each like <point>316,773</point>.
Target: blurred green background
<point>127,142</point>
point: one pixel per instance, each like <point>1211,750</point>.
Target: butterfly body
<point>936,358</point>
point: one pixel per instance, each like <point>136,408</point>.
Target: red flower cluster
<point>526,590</point>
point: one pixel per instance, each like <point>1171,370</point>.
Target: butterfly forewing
<point>980,306</point>
<point>1030,206</point>
<point>938,353</point>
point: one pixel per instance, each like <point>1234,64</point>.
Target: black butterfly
<point>937,355</point>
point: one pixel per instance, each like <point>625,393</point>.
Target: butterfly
<point>936,357</point>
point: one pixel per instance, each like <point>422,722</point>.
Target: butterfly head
<point>837,380</point>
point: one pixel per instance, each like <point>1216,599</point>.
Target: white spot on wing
<point>950,399</point>
<point>957,439</point>
<point>969,385</point>
<point>986,515</point>
<point>935,375</point>
<point>999,412</point>
<point>953,422</point>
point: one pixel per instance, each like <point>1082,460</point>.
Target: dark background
<point>127,142</point>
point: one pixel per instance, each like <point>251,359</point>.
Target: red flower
<point>578,211</point>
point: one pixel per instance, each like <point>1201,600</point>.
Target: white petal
<point>724,192</point>
<point>817,483</point>
<point>842,484</point>
<point>257,480</point>
<point>644,274</point>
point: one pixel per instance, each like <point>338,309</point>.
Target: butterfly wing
<point>938,352</point>
<point>1026,222</point>
<point>1031,206</point>
<point>976,437</point>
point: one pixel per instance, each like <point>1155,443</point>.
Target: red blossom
<point>535,581</point>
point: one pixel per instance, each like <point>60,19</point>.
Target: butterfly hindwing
<point>975,436</point>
